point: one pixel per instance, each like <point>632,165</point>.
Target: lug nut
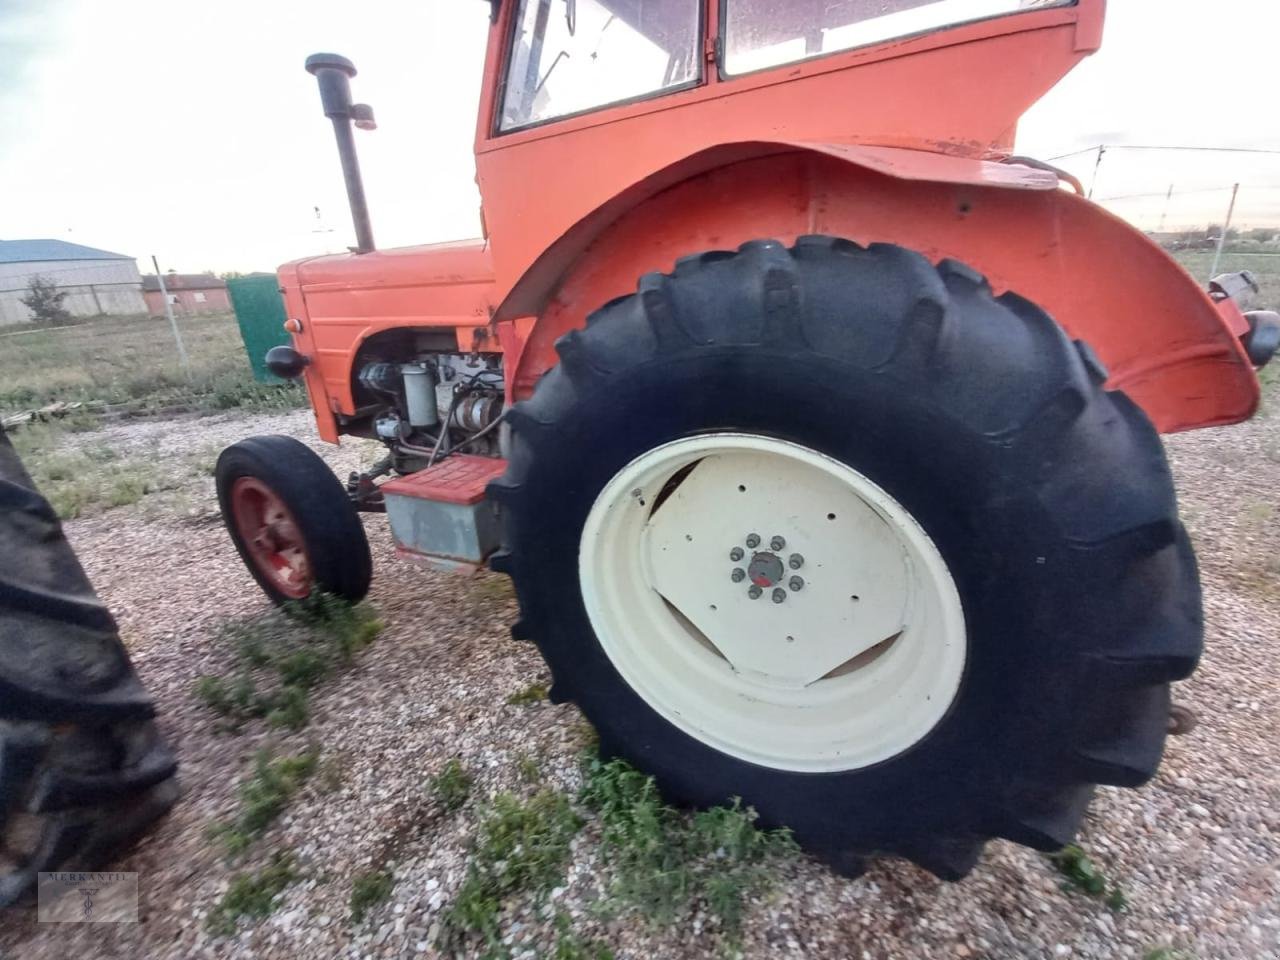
<point>753,540</point>
<point>777,543</point>
<point>796,583</point>
<point>795,561</point>
<point>779,594</point>
<point>735,554</point>
<point>754,592</point>
<point>738,575</point>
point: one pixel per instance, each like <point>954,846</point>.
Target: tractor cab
<point>567,57</point>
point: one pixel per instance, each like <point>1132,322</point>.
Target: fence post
<point>1165,212</point>
<point>1096,164</point>
<point>173,324</point>
<point>1222,239</point>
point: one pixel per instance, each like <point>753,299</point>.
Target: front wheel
<point>291,521</point>
<point>858,542</point>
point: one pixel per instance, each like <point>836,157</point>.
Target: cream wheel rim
<point>773,603</point>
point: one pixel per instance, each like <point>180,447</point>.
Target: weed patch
<point>330,775</point>
<point>451,786</point>
<point>264,796</point>
<point>86,479</point>
<point>1081,874</point>
<point>570,945</point>
<point>521,847</point>
<point>368,890</point>
<point>528,769</point>
<point>251,895</point>
<point>586,736</point>
<point>282,657</point>
<point>664,863</point>
<point>491,590</point>
<point>534,693</point>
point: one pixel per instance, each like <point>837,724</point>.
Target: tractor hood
<point>458,262</point>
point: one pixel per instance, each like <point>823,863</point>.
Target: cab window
<point>570,56</point>
<point>765,33</point>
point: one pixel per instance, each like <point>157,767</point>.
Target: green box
<point>260,312</point>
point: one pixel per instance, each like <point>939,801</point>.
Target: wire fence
<point>130,364</point>
<point>1170,189</point>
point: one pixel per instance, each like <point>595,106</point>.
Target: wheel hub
<point>766,569</point>
<point>273,540</point>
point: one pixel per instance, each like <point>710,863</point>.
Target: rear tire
<point>291,520</point>
<point>1047,497</point>
<point>83,771</point>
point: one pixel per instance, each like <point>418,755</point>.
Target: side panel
<point>1161,337</point>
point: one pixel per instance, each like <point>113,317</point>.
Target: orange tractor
<point>818,432</point>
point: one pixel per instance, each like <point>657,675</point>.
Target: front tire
<point>1045,498</point>
<point>291,521</point>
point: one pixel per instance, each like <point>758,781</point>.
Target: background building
<point>188,292</point>
<point>96,281</point>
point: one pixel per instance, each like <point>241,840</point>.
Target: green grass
<point>451,786</point>
<point>1264,267</point>
<point>490,589</point>
<point>570,945</point>
<point>1080,873</point>
<point>282,655</point>
<point>521,847</point>
<point>348,628</point>
<point>86,479</point>
<point>528,769</point>
<point>251,895</point>
<point>534,693</point>
<point>264,796</point>
<point>664,863</point>
<point>133,360</point>
<point>1168,953</point>
<point>368,890</point>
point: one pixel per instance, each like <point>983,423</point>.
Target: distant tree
<point>44,300</point>
<point>230,275</point>
<point>1262,234</point>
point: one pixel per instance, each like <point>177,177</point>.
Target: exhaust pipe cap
<point>320,61</point>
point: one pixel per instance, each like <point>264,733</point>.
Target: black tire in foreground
<point>315,517</point>
<point>1048,497</point>
<point>83,771</point>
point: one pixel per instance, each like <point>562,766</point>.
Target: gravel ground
<point>1197,850</point>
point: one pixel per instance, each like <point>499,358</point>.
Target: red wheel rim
<point>271,537</point>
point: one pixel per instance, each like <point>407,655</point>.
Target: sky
<point>189,130</point>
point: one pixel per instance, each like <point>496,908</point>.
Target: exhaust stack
<point>333,73</point>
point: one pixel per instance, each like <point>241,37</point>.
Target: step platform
<point>439,516</point>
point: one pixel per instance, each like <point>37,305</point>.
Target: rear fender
<point>1163,340</point>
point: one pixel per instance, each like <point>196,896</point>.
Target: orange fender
<point>1164,341</point>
